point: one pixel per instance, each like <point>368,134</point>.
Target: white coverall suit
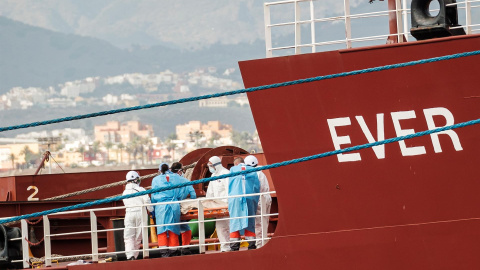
<point>133,218</point>
<point>219,188</point>
<point>264,187</point>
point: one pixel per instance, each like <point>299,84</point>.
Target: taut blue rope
<point>252,89</point>
<point>266,167</point>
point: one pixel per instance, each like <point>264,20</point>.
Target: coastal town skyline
<point>119,144</point>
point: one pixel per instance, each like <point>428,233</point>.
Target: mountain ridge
<point>33,56</point>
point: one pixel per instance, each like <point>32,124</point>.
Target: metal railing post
<point>405,19</point>
<point>94,236</point>
<point>298,28</point>
<point>312,26</point>
<point>145,232</point>
<point>268,30</point>
<point>468,16</point>
<point>263,212</point>
<point>46,241</point>
<point>348,26</point>
<point>400,30</point>
<point>25,253</point>
<point>201,228</point>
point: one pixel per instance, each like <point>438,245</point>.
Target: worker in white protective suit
<point>219,188</point>
<point>132,234</point>
<point>264,187</point>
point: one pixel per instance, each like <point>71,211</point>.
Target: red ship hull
<point>395,212</point>
<point>393,208</point>
<point>405,210</point>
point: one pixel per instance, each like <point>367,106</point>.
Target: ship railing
<point>94,231</point>
<point>366,33</point>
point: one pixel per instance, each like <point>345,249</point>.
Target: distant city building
<point>171,85</point>
<point>214,102</point>
<point>222,102</point>
<point>181,87</point>
<point>15,151</point>
<point>110,99</point>
<point>229,71</point>
<point>69,134</point>
<point>242,100</point>
<point>114,80</point>
<point>195,130</point>
<point>61,102</point>
<point>135,79</point>
<point>68,157</point>
<point>115,132</point>
<point>75,88</point>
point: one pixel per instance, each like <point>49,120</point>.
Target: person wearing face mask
<point>167,213</point>
<point>185,231</point>
<point>133,215</point>
<point>242,206</point>
<point>219,188</point>
<point>264,187</point>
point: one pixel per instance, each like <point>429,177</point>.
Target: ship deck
<point>64,265</point>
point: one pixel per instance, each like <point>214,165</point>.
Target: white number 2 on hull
<point>31,198</point>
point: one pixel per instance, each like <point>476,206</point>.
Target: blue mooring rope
<point>266,167</point>
<point>252,89</point>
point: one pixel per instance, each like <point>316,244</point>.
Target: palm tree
<point>95,149</point>
<point>27,153</point>
<point>196,136</point>
<point>130,148</point>
<point>141,148</point>
<point>150,152</point>
<point>108,145</point>
<point>211,141</point>
<point>172,137</point>
<point>146,145</point>
<point>171,146</point>
<point>134,148</point>
<point>242,139</point>
<point>121,146</point>
<point>12,159</point>
<point>82,151</point>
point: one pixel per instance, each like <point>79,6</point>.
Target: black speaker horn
<point>9,250</point>
<point>426,26</point>
<point>3,246</point>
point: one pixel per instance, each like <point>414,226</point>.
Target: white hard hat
<point>251,161</point>
<point>132,176</point>
<point>215,160</point>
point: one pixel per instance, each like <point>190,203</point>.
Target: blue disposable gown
<point>243,206</point>
<point>169,213</point>
<point>185,191</point>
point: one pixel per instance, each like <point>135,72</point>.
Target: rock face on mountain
<point>33,56</point>
<point>50,42</point>
<point>180,23</point>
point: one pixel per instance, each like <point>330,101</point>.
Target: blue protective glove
<point>153,215</point>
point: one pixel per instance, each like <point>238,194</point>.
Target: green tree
<point>95,150</point>
<point>121,146</point>
<point>129,149</point>
<point>12,159</point>
<point>133,148</point>
<point>171,146</point>
<point>172,137</point>
<point>211,141</point>
<point>147,147</point>
<point>27,153</point>
<point>108,145</point>
<point>82,151</point>
<point>196,136</point>
<point>242,139</point>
